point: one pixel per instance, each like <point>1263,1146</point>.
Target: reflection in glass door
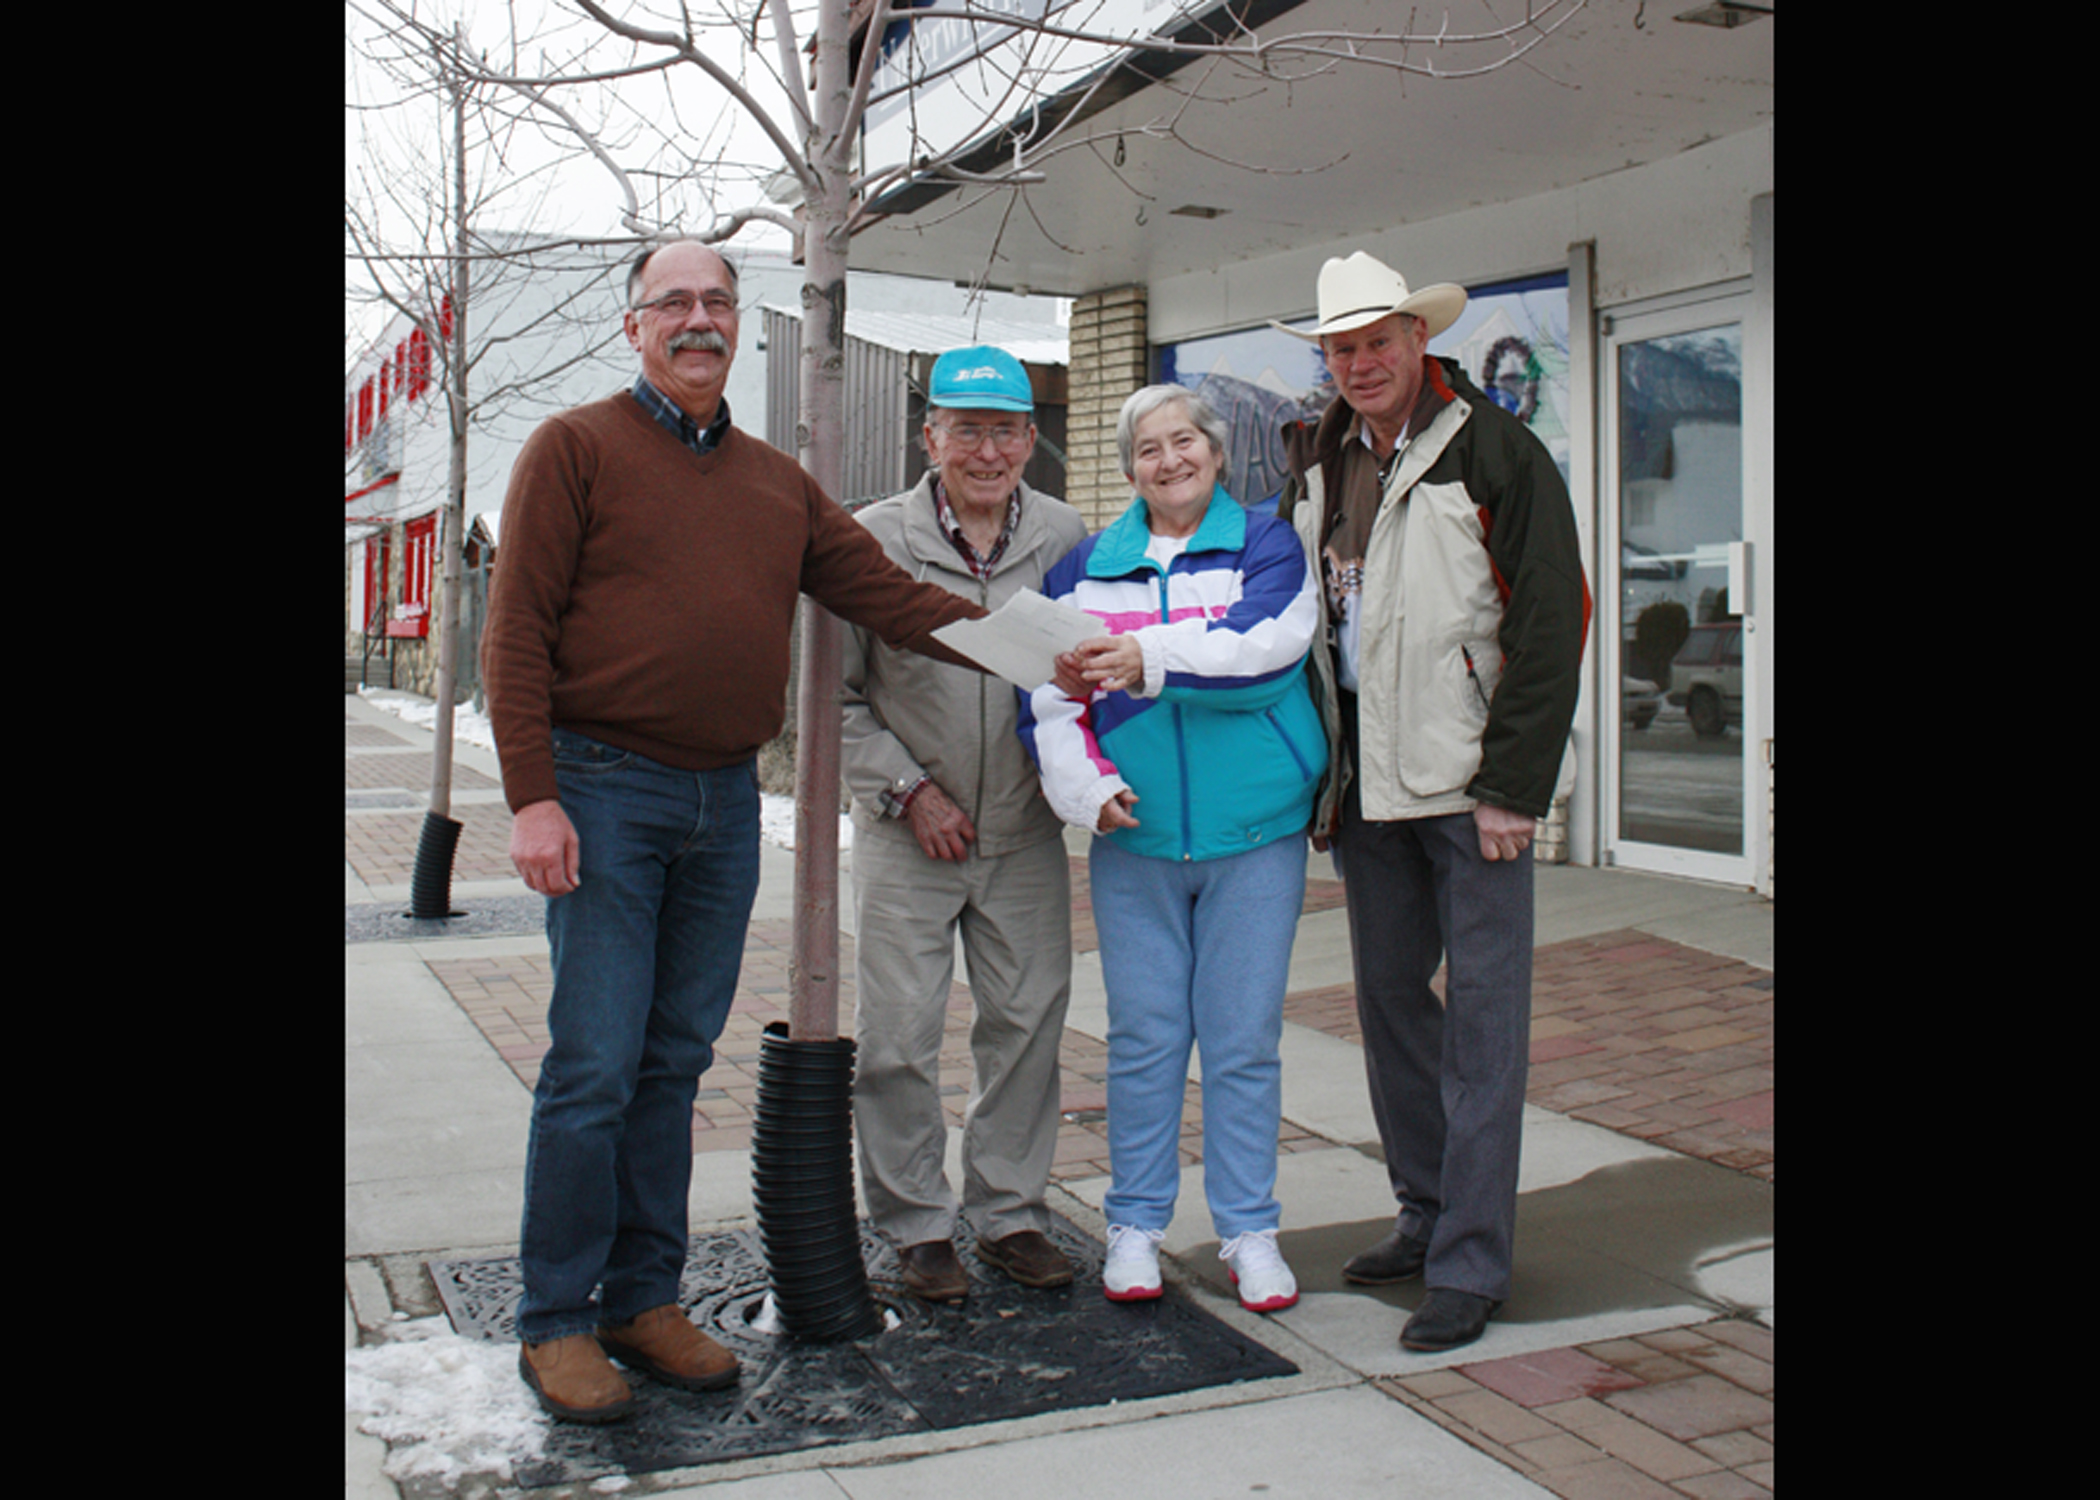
<point>1675,462</point>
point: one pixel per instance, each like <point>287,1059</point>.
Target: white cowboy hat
<point>1362,289</point>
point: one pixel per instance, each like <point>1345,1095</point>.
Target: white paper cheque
<point>1021,640</point>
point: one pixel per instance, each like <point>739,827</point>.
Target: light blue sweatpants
<point>1196,954</point>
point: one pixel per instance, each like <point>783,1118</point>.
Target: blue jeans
<point>646,954</point>
<point>1198,954</point>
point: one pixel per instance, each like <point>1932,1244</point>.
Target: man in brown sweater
<point>635,658</point>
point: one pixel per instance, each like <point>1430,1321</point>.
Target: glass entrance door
<point>1680,570</point>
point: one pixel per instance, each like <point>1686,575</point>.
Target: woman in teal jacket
<point>1195,759</point>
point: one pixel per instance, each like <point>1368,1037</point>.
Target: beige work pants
<point>1014,912</point>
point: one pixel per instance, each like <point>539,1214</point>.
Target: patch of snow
<point>467,724</point>
<point>446,1406</point>
<point>767,1319</point>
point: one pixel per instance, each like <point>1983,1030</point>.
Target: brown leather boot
<point>663,1343</point>
<point>574,1380</point>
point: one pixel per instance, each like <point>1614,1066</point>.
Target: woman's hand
<point>1115,812</point>
<point>1113,663</point>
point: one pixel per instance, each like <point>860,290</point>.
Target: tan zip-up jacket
<point>906,716</point>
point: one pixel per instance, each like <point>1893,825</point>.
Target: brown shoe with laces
<point>1028,1257</point>
<point>663,1344</point>
<point>574,1381</point>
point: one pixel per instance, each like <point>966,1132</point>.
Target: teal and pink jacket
<point>1221,743</point>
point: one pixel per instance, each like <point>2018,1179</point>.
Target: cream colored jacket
<point>1470,645</point>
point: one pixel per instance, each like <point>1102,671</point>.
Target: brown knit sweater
<point>644,594</point>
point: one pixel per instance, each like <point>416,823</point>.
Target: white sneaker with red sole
<point>1131,1273</point>
<point>1258,1270</point>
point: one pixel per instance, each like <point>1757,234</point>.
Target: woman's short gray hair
<point>1150,400</point>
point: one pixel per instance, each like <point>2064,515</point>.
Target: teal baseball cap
<point>980,378</point>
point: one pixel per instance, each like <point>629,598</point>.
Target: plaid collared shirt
<point>952,529</point>
<point>677,423</point>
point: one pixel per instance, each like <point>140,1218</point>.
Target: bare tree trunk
<point>452,531</point>
<point>813,1000</point>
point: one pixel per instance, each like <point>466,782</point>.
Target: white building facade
<point>544,334</point>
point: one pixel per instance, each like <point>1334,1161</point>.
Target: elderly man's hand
<point>944,831</point>
<point>1069,680</point>
<point>1503,834</point>
<point>545,850</point>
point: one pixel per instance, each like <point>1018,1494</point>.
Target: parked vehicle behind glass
<point>1706,678</point>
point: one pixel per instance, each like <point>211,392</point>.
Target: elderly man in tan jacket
<point>951,833</point>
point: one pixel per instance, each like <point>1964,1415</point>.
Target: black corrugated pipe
<point>802,1184</point>
<point>430,887</point>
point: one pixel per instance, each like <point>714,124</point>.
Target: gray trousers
<point>1015,915</point>
<point>1447,1080</point>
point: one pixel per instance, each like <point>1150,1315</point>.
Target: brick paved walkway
<point>1686,1412</point>
<point>1622,1036</point>
<point>381,847</point>
<point>506,998</point>
<point>1645,1037</point>
<point>1642,1036</point>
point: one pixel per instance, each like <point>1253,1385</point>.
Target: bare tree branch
<point>790,75</point>
<point>682,47</point>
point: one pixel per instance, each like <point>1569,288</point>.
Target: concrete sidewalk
<point>1634,1358</point>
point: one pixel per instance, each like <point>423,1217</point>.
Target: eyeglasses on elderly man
<point>1006,435</point>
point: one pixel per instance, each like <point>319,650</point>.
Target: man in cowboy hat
<point>1456,611</point>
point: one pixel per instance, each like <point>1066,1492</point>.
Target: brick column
<point>1552,845</point>
<point>1108,360</point>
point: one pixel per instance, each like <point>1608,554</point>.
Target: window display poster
<point>1511,341</point>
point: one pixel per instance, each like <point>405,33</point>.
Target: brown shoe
<point>574,1381</point>
<point>933,1273</point>
<point>1028,1257</point>
<point>663,1343</point>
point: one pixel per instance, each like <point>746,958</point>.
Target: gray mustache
<point>706,339</point>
